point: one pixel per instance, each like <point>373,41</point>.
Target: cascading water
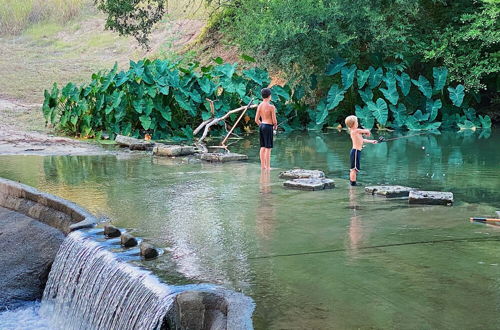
<point>89,288</point>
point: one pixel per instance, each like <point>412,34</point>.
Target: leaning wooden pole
<point>236,123</point>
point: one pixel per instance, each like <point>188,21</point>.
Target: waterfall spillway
<point>89,288</point>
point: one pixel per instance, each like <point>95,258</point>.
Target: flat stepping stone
<point>430,197</point>
<point>310,184</point>
<point>173,150</point>
<point>222,157</point>
<point>301,174</point>
<point>133,143</point>
<point>390,191</point>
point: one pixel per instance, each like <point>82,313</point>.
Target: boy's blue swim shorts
<point>355,156</point>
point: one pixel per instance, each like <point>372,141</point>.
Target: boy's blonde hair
<point>349,121</point>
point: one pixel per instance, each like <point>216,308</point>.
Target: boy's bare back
<point>267,113</point>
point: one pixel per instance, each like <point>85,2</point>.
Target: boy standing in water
<point>357,145</point>
<point>266,119</point>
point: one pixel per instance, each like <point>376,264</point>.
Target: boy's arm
<point>365,132</point>
<point>257,116</point>
<point>275,122</point>
<point>370,141</point>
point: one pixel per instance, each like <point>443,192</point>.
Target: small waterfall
<point>89,288</point>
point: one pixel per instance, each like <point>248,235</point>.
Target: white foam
<point>26,317</point>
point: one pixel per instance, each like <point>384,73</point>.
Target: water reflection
<point>265,213</point>
<point>356,234</point>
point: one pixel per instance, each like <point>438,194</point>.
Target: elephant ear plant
<point>390,98</point>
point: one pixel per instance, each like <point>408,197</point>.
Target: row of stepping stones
<point>312,180</point>
<point>147,251</point>
<point>167,150</point>
<point>414,195</point>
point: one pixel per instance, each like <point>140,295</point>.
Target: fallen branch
<point>209,123</point>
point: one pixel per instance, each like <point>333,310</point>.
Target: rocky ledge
<point>431,197</point>
<point>222,157</point>
<point>310,184</point>
<point>389,191</point>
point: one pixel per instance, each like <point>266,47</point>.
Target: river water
<point>338,258</point>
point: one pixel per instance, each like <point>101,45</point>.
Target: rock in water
<point>172,150</point>
<point>133,143</point>
<point>148,251</point>
<point>310,184</point>
<point>128,240</point>
<point>301,174</point>
<point>389,191</point>
<point>430,197</point>
<point>222,157</point>
<point>111,231</point>
<point>498,213</point>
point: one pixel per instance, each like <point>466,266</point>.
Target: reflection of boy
<point>266,119</point>
<point>357,145</point>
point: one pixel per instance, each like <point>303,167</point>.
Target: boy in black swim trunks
<point>357,145</point>
<point>266,119</point>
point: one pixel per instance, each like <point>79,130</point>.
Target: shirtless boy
<point>266,119</point>
<point>357,145</point>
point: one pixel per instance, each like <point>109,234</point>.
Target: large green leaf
<point>348,75</point>
<point>321,112</point>
<point>365,116</point>
<point>138,67</point>
<point>184,104</point>
<point>147,77</point>
<point>138,105</point>
<point>375,77</point>
<point>432,108</point>
<point>420,116</point>
<point>391,92</point>
<point>148,107</point>
<point>404,82</point>
<point>366,95</point>
<point>423,86</point>
<point>466,125</point>
<point>226,69</point>
<point>379,110</point>
<point>166,113</point>
<point>145,121</point>
<point>485,121</point>
<point>335,96</point>
<point>439,74</point>
<point>457,95</point>
<point>121,78</point>
<point>206,85</point>
<point>259,76</point>
<point>414,125</point>
<point>335,66</point>
<point>399,114</point>
<point>279,91</point>
<point>362,77</point>
<point>470,114</point>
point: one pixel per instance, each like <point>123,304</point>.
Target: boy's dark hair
<point>265,92</point>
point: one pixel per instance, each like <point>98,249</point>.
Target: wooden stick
<point>236,123</point>
<point>485,219</point>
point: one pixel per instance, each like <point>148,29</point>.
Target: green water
<point>311,260</point>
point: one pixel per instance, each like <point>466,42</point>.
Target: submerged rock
<point>148,251</point>
<point>111,231</point>
<point>128,240</point>
<point>310,184</point>
<point>301,174</point>
<point>390,191</point>
<point>173,150</point>
<point>222,157</point>
<point>133,143</point>
<point>430,197</point>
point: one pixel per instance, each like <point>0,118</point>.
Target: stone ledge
<point>172,150</point>
<point>431,197</point>
<point>52,210</point>
<point>310,184</point>
<point>222,157</point>
<point>133,143</point>
<point>301,174</point>
<point>390,191</point>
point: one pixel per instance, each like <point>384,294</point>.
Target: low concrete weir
<point>91,287</point>
<point>52,210</point>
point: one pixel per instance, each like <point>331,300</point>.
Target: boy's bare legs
<point>352,175</point>
<point>268,158</point>
<point>262,155</point>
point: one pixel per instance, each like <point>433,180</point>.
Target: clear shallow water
<point>330,259</point>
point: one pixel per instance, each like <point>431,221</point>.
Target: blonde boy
<point>357,145</point>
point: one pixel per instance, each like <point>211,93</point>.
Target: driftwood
<point>212,121</point>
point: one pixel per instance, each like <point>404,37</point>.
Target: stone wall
<point>52,210</point>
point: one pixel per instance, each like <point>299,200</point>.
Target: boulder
<point>389,191</point>
<point>310,184</point>
<point>148,251</point>
<point>29,248</point>
<point>111,231</point>
<point>128,240</point>
<point>301,174</point>
<point>133,143</point>
<point>222,157</point>
<point>430,197</point>
<point>173,150</point>
<point>498,213</point>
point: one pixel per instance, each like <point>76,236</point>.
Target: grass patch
<point>43,30</point>
<point>101,40</point>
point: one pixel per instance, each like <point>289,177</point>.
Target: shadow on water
<point>330,259</point>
